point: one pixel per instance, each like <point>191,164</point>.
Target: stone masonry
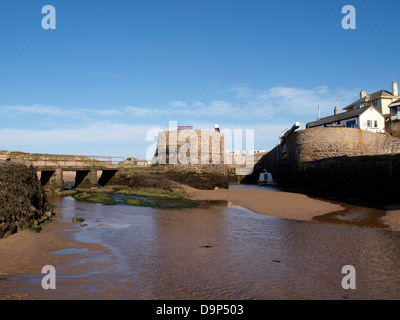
<point>193,147</point>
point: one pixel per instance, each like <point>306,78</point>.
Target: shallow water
<point>220,252</point>
<point>257,187</point>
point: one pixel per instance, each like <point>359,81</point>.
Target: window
<point>369,123</point>
<point>375,123</point>
<point>375,103</point>
<point>358,106</point>
<point>351,124</point>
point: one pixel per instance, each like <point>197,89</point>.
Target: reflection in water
<point>220,252</point>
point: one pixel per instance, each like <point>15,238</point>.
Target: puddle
<point>71,251</point>
<point>356,216</point>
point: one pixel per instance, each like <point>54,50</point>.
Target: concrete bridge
<point>86,171</point>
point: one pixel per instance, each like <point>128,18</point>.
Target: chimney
<point>335,111</point>
<point>363,94</point>
<point>395,89</point>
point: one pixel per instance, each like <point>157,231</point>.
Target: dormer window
<point>359,105</point>
<point>375,103</point>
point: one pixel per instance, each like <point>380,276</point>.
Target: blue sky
<point>113,70</point>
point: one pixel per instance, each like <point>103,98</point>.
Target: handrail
<point>36,159</point>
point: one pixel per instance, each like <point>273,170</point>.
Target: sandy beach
<point>274,203</point>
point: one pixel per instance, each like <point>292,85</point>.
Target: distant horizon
<point>111,71</point>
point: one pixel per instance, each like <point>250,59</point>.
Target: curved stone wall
<point>319,143</point>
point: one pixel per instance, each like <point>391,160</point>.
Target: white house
<point>381,100</point>
<point>367,118</point>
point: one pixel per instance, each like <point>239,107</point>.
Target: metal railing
<point>46,160</point>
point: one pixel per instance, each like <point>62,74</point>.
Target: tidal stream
<point>220,252</point>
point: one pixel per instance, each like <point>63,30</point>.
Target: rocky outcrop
<point>23,203</point>
<point>167,177</point>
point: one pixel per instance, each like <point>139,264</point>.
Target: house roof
<point>371,97</point>
<point>395,103</point>
<point>338,117</point>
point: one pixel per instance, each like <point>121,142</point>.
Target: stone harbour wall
<point>318,143</point>
<point>339,162</point>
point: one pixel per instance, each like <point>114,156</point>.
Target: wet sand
<point>392,218</point>
<point>27,252</point>
<point>274,203</point>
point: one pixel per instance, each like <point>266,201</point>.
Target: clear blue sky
<point>113,70</point>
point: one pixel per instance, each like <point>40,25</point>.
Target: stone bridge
<point>86,171</point>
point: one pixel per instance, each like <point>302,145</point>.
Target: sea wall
<point>319,143</point>
<point>23,203</point>
<point>373,179</point>
<point>342,162</point>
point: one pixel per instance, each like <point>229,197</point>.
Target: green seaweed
<point>96,197</point>
<point>134,202</point>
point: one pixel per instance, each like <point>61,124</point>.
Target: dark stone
<point>23,202</point>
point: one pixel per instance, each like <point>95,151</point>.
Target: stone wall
<point>319,143</point>
<point>343,162</point>
<point>394,127</point>
<point>370,180</point>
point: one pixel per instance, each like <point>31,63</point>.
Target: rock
<point>23,201</point>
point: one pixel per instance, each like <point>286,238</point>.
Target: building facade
<point>366,118</point>
<point>380,100</point>
<point>395,110</point>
